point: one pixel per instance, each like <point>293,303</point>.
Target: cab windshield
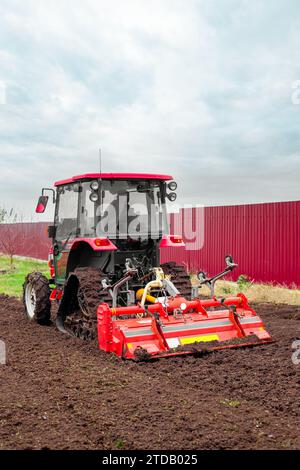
<point>122,209</point>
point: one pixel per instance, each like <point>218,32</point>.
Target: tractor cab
<point>104,219</point>
<point>116,209</point>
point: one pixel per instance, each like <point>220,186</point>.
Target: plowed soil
<point>58,392</point>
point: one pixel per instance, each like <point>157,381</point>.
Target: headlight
<point>172,197</point>
<point>172,186</point>
<point>94,197</point>
<point>94,185</point>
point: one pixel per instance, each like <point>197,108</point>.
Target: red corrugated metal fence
<point>262,238</point>
<point>29,239</point>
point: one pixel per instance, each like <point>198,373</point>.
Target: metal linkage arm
<point>210,282</point>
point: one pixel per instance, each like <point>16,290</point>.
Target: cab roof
<point>115,176</point>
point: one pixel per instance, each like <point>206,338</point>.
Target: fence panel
<point>28,239</point>
<point>262,238</point>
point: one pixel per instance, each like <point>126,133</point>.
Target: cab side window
<point>66,216</point>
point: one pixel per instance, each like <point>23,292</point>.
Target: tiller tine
<point>183,327</point>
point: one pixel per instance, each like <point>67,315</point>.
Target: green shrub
<point>243,282</point>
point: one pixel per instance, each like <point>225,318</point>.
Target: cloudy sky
<point>200,89</point>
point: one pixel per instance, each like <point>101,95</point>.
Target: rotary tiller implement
<point>180,327</point>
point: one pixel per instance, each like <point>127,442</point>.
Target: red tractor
<point>107,280</point>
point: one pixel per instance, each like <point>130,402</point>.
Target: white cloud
<point>198,89</point>
<point>2,92</point>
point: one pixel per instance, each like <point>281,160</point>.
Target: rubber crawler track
<point>82,297</point>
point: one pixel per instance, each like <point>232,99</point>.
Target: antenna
<point>100,162</point>
<point>100,186</point>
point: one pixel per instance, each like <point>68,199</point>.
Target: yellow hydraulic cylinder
<point>149,298</point>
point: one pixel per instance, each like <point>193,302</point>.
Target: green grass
<point>270,293</point>
<point>11,280</point>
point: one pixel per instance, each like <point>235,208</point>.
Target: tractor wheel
<point>36,298</point>
<point>179,277</point>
